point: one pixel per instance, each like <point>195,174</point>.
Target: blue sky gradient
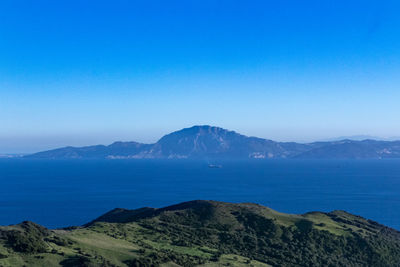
<point>87,72</point>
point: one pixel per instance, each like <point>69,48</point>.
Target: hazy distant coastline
<point>209,142</point>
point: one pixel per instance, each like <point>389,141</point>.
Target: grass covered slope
<point>205,233</point>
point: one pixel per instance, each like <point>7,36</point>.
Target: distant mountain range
<point>362,138</point>
<point>208,142</point>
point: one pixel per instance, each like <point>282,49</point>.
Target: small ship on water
<point>214,166</point>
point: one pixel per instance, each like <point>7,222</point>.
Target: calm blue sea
<point>58,193</point>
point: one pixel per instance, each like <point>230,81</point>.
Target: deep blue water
<point>58,193</point>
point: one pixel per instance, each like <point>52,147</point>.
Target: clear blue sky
<point>87,72</point>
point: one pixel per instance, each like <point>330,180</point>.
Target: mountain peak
<point>199,141</point>
<point>202,129</point>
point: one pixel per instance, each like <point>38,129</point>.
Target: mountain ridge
<point>204,141</point>
<point>205,233</point>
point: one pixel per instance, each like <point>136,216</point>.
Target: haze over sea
<point>59,193</point>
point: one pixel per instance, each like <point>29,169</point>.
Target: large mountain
<point>214,142</point>
<point>205,233</point>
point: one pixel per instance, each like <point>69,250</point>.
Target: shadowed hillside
<point>205,233</point>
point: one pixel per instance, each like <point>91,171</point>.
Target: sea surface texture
<point>59,193</point>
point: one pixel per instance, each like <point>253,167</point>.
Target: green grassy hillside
<point>205,233</point>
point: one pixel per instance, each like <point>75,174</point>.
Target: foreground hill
<point>214,142</point>
<point>205,233</point>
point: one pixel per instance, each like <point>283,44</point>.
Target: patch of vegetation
<point>205,233</point>
<point>28,238</point>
